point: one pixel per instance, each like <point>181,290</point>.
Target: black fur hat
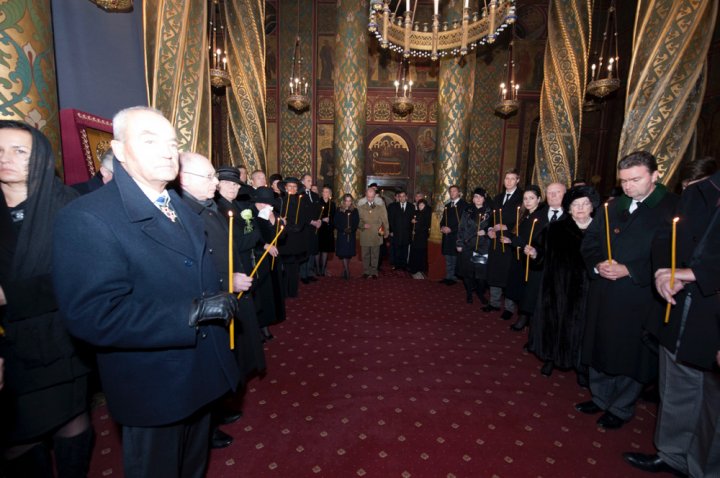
<point>581,192</point>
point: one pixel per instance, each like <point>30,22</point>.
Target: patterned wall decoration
<point>326,109</point>
<point>455,100</point>
<point>28,89</point>
<point>246,97</point>
<point>563,91</point>
<point>486,128</point>
<point>351,63</point>
<point>667,78</point>
<point>295,128</point>
<point>176,45</point>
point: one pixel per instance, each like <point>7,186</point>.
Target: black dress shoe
<point>313,279</point>
<point>547,369</point>
<point>220,439</point>
<point>305,280</point>
<point>506,315</point>
<point>230,417</point>
<point>490,308</point>
<point>588,408</point>
<point>520,324</point>
<point>450,282</point>
<point>609,421</point>
<point>650,463</point>
<point>443,281</point>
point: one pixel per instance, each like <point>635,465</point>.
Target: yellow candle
<point>527,263</point>
<point>494,238</point>
<point>502,244</point>
<point>257,265</point>
<point>477,233</point>
<point>297,211</point>
<point>672,265</point>
<point>230,274</point>
<point>320,218</point>
<point>607,234</point>
<point>517,225</point>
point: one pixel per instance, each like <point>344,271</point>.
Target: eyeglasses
<point>209,177</point>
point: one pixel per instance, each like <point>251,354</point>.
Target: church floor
<point>398,377</point>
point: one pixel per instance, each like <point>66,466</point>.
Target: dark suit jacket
<point>399,221</point>
<point>312,213</point>
<point>125,277</point>
<point>698,212</point>
<point>92,184</point>
<point>451,218</point>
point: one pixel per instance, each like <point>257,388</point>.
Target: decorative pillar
<point>295,148</point>
<point>28,91</point>
<point>177,68</point>
<point>667,78</point>
<point>246,97</point>
<point>563,90</point>
<point>455,101</point>
<point>486,128</point>
<point>351,67</point>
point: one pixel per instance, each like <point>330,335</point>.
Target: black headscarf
<point>46,196</point>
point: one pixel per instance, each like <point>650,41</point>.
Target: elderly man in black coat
<point>621,298</point>
<point>134,278</point>
<point>400,215</point>
<point>449,225</point>
<point>687,435</point>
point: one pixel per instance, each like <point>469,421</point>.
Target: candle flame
<point>230,214</point>
<point>676,219</point>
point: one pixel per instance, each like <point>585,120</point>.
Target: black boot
<point>34,463</point>
<point>520,324</point>
<point>547,368</point>
<point>72,454</point>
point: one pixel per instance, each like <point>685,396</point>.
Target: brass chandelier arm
<point>114,5</point>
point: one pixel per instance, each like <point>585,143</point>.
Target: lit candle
<point>410,83</point>
<point>405,87</point>
<point>306,87</point>
<point>494,238</point>
<point>224,63</point>
<point>527,263</point>
<point>272,244</point>
<point>607,234</point>
<point>397,85</point>
<point>502,244</point>
<point>672,264</point>
<point>230,275</point>
<point>593,71</point>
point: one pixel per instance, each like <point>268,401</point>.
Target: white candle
<point>466,3</point>
<point>407,5</point>
<point>436,6</point>
<point>411,83</point>
<point>397,85</point>
<point>593,71</point>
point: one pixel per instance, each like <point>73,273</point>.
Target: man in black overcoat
<point>134,278</point>
<point>400,215</point>
<point>449,225</point>
<point>311,204</point>
<point>687,435</point>
<point>499,260</point>
<point>621,297</point>
<point>293,242</point>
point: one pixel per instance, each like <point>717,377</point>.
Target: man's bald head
<point>197,176</point>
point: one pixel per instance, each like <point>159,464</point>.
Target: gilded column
<point>177,73</point>
<point>295,148</point>
<point>455,101</point>
<point>667,78</point>
<point>351,66</point>
<point>28,90</point>
<point>486,128</point>
<point>246,97</point>
<point>563,91</point>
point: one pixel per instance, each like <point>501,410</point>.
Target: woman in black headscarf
<point>473,245</point>
<point>45,392</point>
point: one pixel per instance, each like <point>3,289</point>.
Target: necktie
<point>163,203</point>
<point>309,195</point>
<point>633,206</point>
<point>507,198</point>
<point>403,207</point>
<point>554,215</point>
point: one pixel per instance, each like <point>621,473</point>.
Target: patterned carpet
<point>398,377</point>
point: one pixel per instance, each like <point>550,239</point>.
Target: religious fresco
<point>326,60</point>
<point>324,156</point>
<point>388,155</point>
<point>270,44</point>
<point>383,68</point>
<point>425,158</point>
<point>531,36</point>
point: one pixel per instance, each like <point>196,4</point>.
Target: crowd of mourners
<point>158,280</point>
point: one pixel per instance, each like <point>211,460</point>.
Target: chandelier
<point>219,76</point>
<point>402,103</point>
<point>402,33</point>
<point>509,103</point>
<point>606,79</point>
<point>298,98</point>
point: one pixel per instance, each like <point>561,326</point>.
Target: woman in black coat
<point>45,395</point>
<point>326,233</point>
<point>557,327</point>
<point>347,221</point>
<point>417,264</point>
<point>525,292</point>
<point>473,245</point>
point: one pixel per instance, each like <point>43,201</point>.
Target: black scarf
<point>46,196</point>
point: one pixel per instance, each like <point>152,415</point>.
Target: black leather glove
<point>217,309</point>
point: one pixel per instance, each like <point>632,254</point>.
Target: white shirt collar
<point>151,194</point>
<point>511,192</point>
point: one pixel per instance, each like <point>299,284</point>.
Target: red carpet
<point>401,378</point>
